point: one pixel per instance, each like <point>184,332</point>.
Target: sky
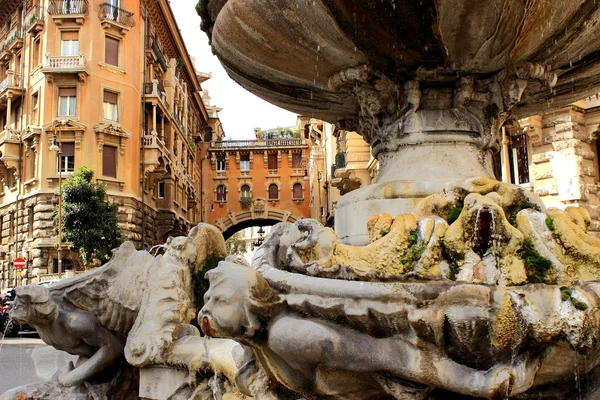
<point>242,111</point>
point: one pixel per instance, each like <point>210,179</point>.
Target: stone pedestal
<point>160,382</point>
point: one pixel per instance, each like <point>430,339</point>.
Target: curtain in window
<point>67,159</point>
<point>245,162</point>
<point>245,191</point>
<point>67,101</point>
<point>221,194</point>
<point>69,43</point>
<point>110,106</point>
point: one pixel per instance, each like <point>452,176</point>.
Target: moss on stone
<point>549,223</point>
<point>414,254</point>
<point>565,293</point>
<point>580,305</point>
<point>536,266</point>
<point>512,210</point>
<point>453,257</point>
<point>384,232</point>
<point>412,238</point>
<point>455,212</point>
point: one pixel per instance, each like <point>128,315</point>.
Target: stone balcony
<point>155,91</point>
<point>156,154</point>
<point>10,147</point>
<point>34,20</point>
<point>11,85</point>
<point>65,65</point>
<point>65,11</point>
<point>115,17</point>
<point>11,44</point>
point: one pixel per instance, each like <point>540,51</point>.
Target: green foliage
<point>414,254</point>
<point>245,202</point>
<point>549,223</point>
<point>384,232</point>
<point>536,266</point>
<point>236,244</point>
<point>455,212</point>
<point>89,221</point>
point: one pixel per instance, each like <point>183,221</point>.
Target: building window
<point>67,265</point>
<point>245,162</point>
<point>69,45</point>
<point>111,51</point>
<point>273,192</point>
<point>297,191</point>
<point>161,190</point>
<point>221,193</point>
<point>67,100</point>
<point>67,157</point>
<point>35,106</point>
<point>519,159</point>
<point>35,54</point>
<point>297,160</point>
<point>272,161</point>
<point>30,169</point>
<point>221,163</point>
<point>111,106</point>
<point>109,161</point>
<point>245,192</point>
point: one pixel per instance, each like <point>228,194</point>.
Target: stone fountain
<point>439,282</point>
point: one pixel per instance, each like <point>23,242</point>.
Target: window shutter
<point>68,149</point>
<point>272,161</point>
<point>273,192</point>
<point>111,97</point>
<point>297,160</point>
<point>69,35</point>
<point>109,161</point>
<point>111,48</point>
<point>67,92</point>
<point>297,191</point>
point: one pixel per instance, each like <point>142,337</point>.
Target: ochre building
<point>113,85</point>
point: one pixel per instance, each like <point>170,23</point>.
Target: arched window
<point>297,193</point>
<point>273,192</point>
<point>221,193</point>
<point>245,192</point>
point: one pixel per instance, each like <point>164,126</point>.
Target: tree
<point>89,221</point>
<point>236,244</point>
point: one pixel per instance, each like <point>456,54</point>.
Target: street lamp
<point>57,148</point>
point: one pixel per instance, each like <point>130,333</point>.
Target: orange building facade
<point>111,83</point>
<point>256,182</point>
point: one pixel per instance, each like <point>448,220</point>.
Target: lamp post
<point>57,148</point>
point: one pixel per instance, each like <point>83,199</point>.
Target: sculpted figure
<point>364,340</point>
<point>73,331</point>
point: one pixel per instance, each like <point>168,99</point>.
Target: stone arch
<point>258,215</point>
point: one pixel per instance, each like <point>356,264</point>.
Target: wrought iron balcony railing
<point>68,7</point>
<point>34,16</point>
<point>116,14</point>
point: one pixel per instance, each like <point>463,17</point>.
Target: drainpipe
<point>144,127</point>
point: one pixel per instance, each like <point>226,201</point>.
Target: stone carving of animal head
<point>33,305</point>
<point>238,303</point>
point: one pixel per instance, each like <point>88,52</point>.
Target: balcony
<point>157,54</point>
<point>234,144</point>
<point>155,152</point>
<point>34,20</point>
<point>64,65</point>
<point>156,90</point>
<point>13,42</point>
<point>115,17</point>
<point>10,147</point>
<point>67,10</point>
<point>12,83</point>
